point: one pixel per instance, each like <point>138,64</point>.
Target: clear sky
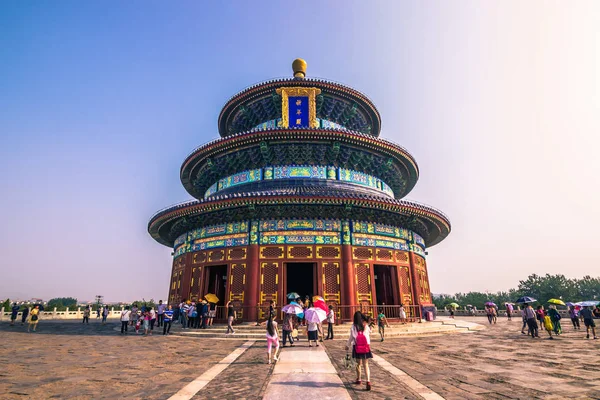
<point>100,102</point>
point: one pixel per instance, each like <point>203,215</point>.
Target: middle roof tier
<point>392,169</point>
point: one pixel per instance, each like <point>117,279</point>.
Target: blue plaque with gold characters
<point>298,111</point>
<point>298,107</point>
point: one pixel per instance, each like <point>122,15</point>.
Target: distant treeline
<point>541,288</point>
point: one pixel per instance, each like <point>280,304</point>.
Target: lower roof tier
<point>297,203</point>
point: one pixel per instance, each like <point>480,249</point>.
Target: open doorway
<point>385,284</point>
<point>216,282</point>
<point>300,278</point>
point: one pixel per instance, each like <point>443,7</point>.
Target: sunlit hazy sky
<point>100,102</point>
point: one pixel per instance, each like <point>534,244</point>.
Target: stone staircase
<point>251,331</point>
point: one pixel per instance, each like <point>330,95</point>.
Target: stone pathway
<point>69,360</point>
<point>305,373</point>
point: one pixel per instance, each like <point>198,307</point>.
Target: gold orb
<point>299,67</point>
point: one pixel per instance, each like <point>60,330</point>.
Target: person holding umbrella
<point>314,316</point>
<point>555,317</point>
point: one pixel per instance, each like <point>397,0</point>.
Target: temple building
<point>300,195</point>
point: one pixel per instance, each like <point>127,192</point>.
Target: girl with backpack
<point>360,340</point>
<point>272,337</point>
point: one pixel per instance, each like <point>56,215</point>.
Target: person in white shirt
<point>125,314</point>
<point>161,312</point>
<point>313,333</point>
<point>330,322</point>
<point>360,340</point>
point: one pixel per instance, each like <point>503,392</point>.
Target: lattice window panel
<point>237,254</point>
<point>331,283</point>
<point>271,252</point>
<point>402,257</point>
<point>216,255</point>
<point>299,251</point>
<point>237,282</point>
<point>405,289</point>
<point>328,252</point>
<point>384,255</point>
<point>269,284</point>
<point>425,294</point>
<point>363,253</point>
<point>199,257</point>
<point>363,283</point>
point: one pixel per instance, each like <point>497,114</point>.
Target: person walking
<point>204,313</point>
<point>146,316</point>
<point>555,317</point>
<point>14,311</point>
<point>288,327</point>
<point>152,318</point>
<point>509,310</point>
<point>167,318</point>
<point>231,315</point>
<point>574,317</point>
<point>360,341</point>
<point>86,315</point>
<point>34,318</point>
<point>104,314</point>
<point>160,311</point>
<point>382,323</point>
<point>125,316</point>
<point>540,314</point>
<point>184,307</point>
<point>272,338</point>
<point>97,311</point>
<point>330,322</point>
<point>313,333</point>
<point>531,322</point>
<point>212,313</point>
<point>192,314</point>
<point>402,314</point>
<point>490,314</point>
<point>24,315</point>
<point>548,325</point>
<point>524,317</point>
<point>134,314</point>
<point>588,321</point>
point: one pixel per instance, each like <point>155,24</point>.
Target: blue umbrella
<point>588,303</point>
<point>293,296</point>
<point>525,299</point>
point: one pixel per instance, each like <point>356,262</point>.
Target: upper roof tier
<point>336,104</point>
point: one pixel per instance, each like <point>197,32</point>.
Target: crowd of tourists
<point>550,320</point>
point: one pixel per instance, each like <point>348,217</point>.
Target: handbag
<point>295,333</point>
<point>34,317</point>
<point>348,362</point>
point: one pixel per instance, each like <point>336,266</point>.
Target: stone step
<point>341,332</point>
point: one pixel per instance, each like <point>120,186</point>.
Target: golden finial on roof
<point>299,67</point>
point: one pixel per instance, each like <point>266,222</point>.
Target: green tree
<point>547,287</point>
<point>587,288</point>
<point>62,303</point>
<point>6,304</point>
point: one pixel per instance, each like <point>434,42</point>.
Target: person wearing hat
<point>204,313</point>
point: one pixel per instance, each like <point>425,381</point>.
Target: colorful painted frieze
<point>381,229</point>
<point>216,230</point>
<point>240,239</point>
<point>180,240</point>
<point>299,171</point>
<point>240,178</point>
<point>214,188</point>
<point>418,240</point>
<point>300,237</point>
<point>417,250</point>
<point>359,239</point>
<point>300,224</point>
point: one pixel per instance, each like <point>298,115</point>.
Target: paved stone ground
<point>496,363</point>
<point>65,359</point>
<point>68,360</point>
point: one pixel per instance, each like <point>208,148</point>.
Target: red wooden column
<point>187,276</point>
<point>348,280</point>
<point>252,282</point>
<point>416,287</point>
